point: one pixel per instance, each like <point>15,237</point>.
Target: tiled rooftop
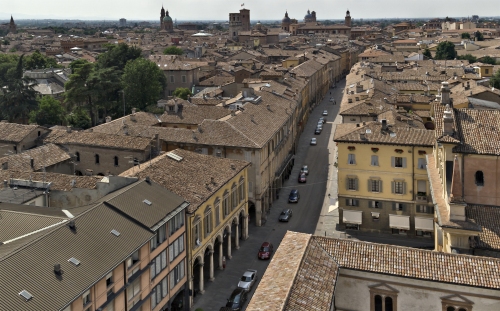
<point>98,140</point>
<point>488,217</point>
<point>13,132</point>
<point>43,156</point>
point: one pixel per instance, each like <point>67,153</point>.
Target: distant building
<point>166,22</point>
<point>310,17</point>
<point>239,22</point>
<point>12,26</point>
<point>123,22</point>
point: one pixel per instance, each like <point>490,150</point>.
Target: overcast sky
<point>260,9</point>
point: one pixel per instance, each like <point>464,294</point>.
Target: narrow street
<point>314,201</point>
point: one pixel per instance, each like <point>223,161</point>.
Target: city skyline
<point>260,9</point>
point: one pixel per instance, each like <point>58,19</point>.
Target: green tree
<point>479,36</point>
<point>182,92</point>
<point>143,83</point>
<point>49,112</point>
<point>465,35</point>
<point>104,85</point>
<point>173,50</point>
<point>79,118</point>
<point>38,61</point>
<point>427,53</point>
<point>495,80</point>
<point>488,60</point>
<point>118,56</point>
<point>471,58</point>
<point>19,96</point>
<point>5,42</point>
<point>445,50</point>
<point>77,91</point>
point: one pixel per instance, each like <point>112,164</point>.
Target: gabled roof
<point>43,156</point>
<point>15,133</point>
<point>30,268</point>
<point>94,139</point>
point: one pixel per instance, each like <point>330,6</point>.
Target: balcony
<point>422,197</point>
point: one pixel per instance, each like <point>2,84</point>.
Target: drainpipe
<point>462,177</point>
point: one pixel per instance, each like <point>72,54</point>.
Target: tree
<point>143,83</point>
<point>479,36</point>
<point>471,58</point>
<point>182,92</point>
<point>19,96</point>
<point>445,50</point>
<point>38,61</point>
<point>118,56</point>
<point>77,91</point>
<point>495,80</point>
<point>488,60</point>
<point>79,118</point>
<point>173,50</point>
<point>427,53</point>
<point>465,35</point>
<point>49,112</point>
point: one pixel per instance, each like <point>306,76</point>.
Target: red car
<point>265,251</point>
<point>302,178</point>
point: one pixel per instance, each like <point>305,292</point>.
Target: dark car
<point>322,119</point>
<point>317,131</point>
<point>302,178</point>
<point>285,215</point>
<point>265,250</point>
<point>237,299</point>
<point>294,196</point>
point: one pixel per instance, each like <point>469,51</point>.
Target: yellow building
<point>217,217</point>
<point>382,178</point>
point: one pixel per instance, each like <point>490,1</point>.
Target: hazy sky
<point>260,9</point>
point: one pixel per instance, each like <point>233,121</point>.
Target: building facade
<point>239,22</point>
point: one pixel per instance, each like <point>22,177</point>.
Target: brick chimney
<point>445,93</point>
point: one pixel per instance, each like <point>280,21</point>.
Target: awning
<point>352,217</point>
<point>375,214</point>
<point>422,223</point>
<point>399,222</point>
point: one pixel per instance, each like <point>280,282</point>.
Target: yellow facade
<point>287,63</point>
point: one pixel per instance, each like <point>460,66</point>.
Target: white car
<point>332,99</point>
<point>248,279</point>
<point>313,141</point>
<point>325,113</point>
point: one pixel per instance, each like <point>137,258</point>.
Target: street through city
<point>317,197</point>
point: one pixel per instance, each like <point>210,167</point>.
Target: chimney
<point>5,165</point>
<point>132,116</point>
<point>268,107</point>
<point>72,225</point>
<point>32,163</point>
<point>362,136</point>
<point>57,269</point>
<point>384,125</point>
<point>448,121</point>
<point>233,167</point>
<point>233,113</point>
<point>189,98</point>
<point>199,128</point>
<point>5,184</point>
<point>445,93</point>
<point>212,180</point>
<point>468,85</point>
<point>108,119</point>
<point>68,129</point>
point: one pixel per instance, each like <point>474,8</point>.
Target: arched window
<point>217,211</point>
<point>378,303</point>
<point>207,221</point>
<point>388,304</point>
<point>242,189</point>
<point>225,203</point>
<point>96,159</point>
<point>234,197</point>
<point>479,178</point>
<point>116,160</point>
<point>77,154</point>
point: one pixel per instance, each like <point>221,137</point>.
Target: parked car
<point>313,141</point>
<point>304,169</point>
<point>285,215</point>
<point>248,279</point>
<point>332,99</point>
<point>294,196</point>
<point>317,131</point>
<point>265,251</point>
<point>302,178</point>
<point>323,120</point>
<point>237,299</point>
<point>325,112</point>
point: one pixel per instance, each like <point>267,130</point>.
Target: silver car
<point>248,279</point>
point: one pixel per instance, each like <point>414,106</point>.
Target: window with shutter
<point>374,161</point>
<point>351,159</point>
<point>421,163</point>
<point>399,162</point>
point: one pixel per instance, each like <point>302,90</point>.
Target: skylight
<point>74,261</point>
<point>115,232</point>
<point>147,202</point>
<point>26,295</point>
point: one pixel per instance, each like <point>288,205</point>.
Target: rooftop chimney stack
<point>448,121</point>
<point>445,93</point>
<point>57,269</point>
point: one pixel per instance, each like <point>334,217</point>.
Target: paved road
<point>305,213</point>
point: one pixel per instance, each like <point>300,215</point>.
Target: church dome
<point>167,18</point>
<point>286,19</point>
<point>308,15</point>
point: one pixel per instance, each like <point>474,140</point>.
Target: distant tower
<point>348,18</point>
<point>285,22</point>
<point>162,15</point>
<point>245,19</point>
<point>12,26</point>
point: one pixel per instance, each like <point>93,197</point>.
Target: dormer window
<point>170,108</point>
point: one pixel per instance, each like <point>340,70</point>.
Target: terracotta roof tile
<point>43,156</point>
<point>488,217</point>
<point>13,132</point>
<point>98,140</point>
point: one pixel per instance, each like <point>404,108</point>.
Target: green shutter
<point>393,161</point>
<point>404,187</point>
<point>394,206</point>
<point>392,186</point>
<point>370,185</point>
<point>356,184</point>
<point>380,185</point>
<point>404,162</point>
<point>347,183</point>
